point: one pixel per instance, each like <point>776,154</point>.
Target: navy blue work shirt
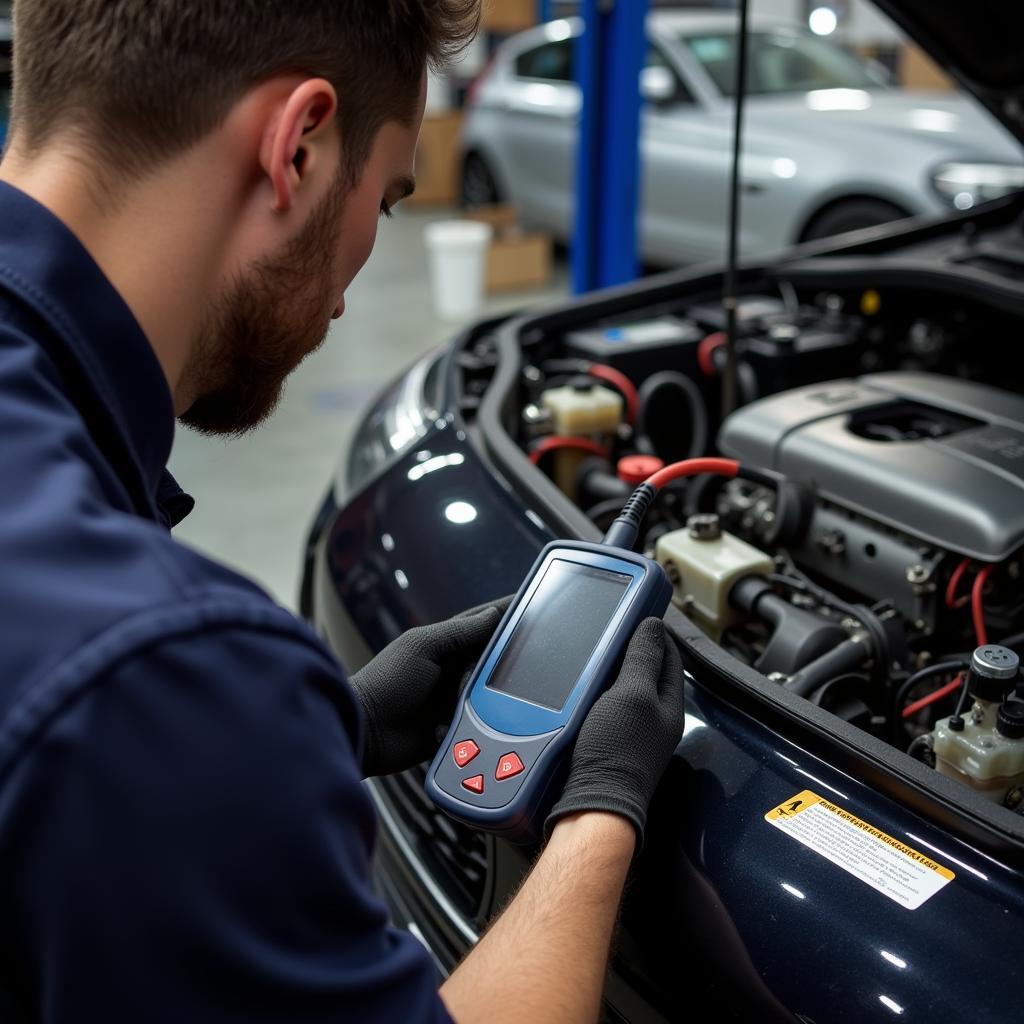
<point>184,834</point>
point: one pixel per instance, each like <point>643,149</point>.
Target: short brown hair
<point>142,80</point>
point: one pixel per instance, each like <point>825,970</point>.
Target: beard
<point>266,323</point>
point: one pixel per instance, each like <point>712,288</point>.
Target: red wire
<point>706,350</point>
<point>954,582</point>
<point>931,698</point>
<point>580,443</point>
<point>692,467</point>
<point>622,382</point>
<point>977,607</point>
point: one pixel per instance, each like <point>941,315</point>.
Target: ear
<point>293,143</point>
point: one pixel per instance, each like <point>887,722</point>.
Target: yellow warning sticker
<point>894,869</point>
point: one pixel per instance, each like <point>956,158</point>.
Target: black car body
<point>439,507</point>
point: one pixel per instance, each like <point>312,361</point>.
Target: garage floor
<point>255,497</point>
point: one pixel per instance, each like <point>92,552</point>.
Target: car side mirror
<point>658,85</point>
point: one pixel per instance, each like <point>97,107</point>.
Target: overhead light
<point>823,21</point>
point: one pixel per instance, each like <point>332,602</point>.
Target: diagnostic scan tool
<point>559,645</point>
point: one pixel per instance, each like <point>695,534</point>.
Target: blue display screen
<point>557,633</point>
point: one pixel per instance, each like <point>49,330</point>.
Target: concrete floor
<point>256,496</point>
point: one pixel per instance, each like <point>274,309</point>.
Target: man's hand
<point>629,736</point>
<point>408,692</point>
<point>571,898</point>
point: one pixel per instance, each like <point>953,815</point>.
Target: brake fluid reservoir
<point>580,409</point>
<point>704,562</point>
<point>985,748</point>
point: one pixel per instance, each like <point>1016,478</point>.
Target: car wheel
<point>851,215</point>
<point>479,187</point>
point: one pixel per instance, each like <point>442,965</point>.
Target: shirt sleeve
<point>191,841</point>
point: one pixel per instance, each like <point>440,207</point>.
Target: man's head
<point>312,109</point>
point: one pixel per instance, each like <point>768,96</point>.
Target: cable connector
<point>624,531</point>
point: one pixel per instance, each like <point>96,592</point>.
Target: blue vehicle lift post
<point>545,10</point>
<point>610,55</point>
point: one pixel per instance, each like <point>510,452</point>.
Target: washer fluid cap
<point>635,469</point>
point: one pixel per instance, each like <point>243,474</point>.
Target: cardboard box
<point>437,161</point>
<point>502,217</point>
<point>517,259</point>
<point>919,71</point>
<point>507,16</point>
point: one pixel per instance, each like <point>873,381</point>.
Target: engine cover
<point>935,457</point>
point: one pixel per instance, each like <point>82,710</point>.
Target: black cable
<point>939,668</point>
<point>746,378</point>
<point>695,404</point>
<point>962,699</point>
<point>843,659</point>
<point>730,298</point>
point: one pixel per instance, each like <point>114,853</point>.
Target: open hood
<point>978,43</point>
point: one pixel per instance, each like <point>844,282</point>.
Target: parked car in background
<point>824,847</point>
<point>829,145</point>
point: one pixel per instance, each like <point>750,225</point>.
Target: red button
<point>508,765</point>
<point>475,784</point>
<point>464,752</point>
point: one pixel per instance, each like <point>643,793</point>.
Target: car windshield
<point>779,62</point>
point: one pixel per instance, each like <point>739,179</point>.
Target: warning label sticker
<point>899,871</point>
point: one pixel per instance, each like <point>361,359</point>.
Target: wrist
<point>612,834</point>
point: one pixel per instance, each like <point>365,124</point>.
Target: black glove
<point>408,692</point>
<point>630,734</point>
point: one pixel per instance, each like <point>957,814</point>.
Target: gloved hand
<point>409,691</point>
<point>630,734</point>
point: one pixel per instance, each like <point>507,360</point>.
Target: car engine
<point>869,560</point>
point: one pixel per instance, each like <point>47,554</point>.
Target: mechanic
<point>189,188</point>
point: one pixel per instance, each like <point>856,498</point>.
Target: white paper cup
<point>457,252</point>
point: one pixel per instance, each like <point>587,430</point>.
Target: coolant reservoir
<point>985,748</point>
<point>580,409</point>
<point>703,562</point>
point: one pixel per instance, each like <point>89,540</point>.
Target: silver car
<point>829,145</point>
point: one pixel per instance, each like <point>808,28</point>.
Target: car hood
<point>946,121</point>
<point>979,43</point>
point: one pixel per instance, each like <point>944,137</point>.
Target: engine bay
<point>870,560</point>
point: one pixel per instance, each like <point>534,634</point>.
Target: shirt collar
<point>48,268</point>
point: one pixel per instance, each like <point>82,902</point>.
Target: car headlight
<point>400,417</point>
<point>964,185</point>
